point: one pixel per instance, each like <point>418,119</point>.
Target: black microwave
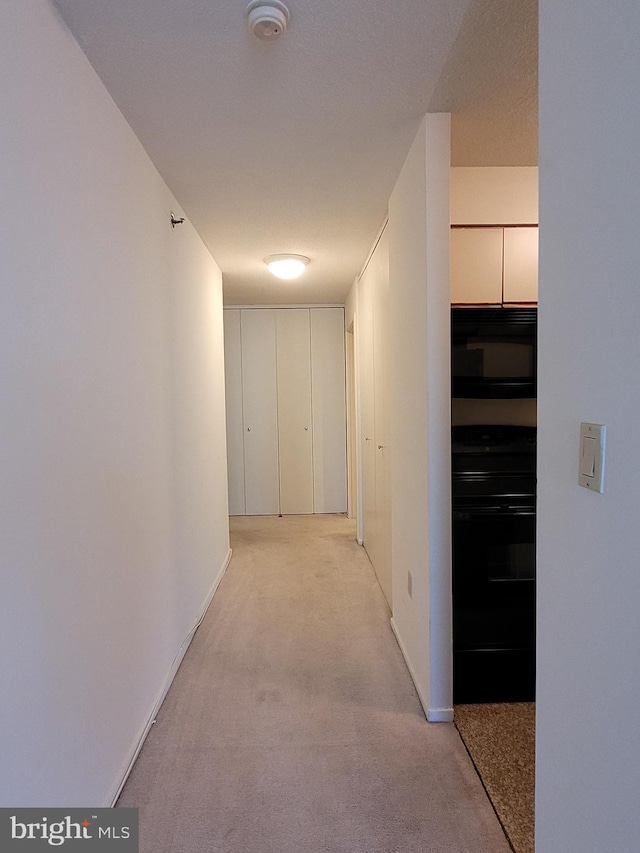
<point>493,352</point>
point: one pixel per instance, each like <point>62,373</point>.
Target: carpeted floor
<point>501,742</point>
<point>293,726</point>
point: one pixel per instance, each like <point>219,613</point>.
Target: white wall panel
<point>420,416</point>
<point>588,690</point>
<point>114,490</point>
<point>494,195</point>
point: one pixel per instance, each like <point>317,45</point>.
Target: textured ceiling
<point>295,146</point>
<point>489,84</point>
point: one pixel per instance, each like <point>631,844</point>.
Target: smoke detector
<point>267,19</point>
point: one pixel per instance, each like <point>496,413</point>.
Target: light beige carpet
<point>293,726</point>
<point>501,740</point>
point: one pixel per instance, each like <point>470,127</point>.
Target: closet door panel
<point>294,411</point>
<point>259,397</point>
<point>233,387</point>
<point>329,410</point>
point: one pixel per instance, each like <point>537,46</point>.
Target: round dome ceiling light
<point>267,19</point>
<point>286,266</point>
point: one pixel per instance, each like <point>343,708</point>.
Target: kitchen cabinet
<point>520,282</point>
<point>286,414</point>
<point>476,265</point>
<point>494,266</point>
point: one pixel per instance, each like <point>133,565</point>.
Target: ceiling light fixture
<point>286,266</point>
<point>267,19</point>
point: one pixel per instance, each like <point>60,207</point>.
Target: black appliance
<point>493,352</point>
<point>494,512</point>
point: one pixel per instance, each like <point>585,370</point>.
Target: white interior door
<point>367,409</point>
<point>352,440</point>
<point>260,413</point>
<point>233,392</point>
<point>295,427</point>
<point>329,410</point>
<point>382,555</point>
<point>373,322</point>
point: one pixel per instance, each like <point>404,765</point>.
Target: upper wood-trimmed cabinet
<point>494,266</point>
<point>476,265</point>
<point>520,283</point>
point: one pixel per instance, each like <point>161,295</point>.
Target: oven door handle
<point>493,512</point>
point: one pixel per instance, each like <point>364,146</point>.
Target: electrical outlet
<point>410,584</point>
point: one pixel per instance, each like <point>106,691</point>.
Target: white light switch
<point>592,443</point>
<point>588,454</point>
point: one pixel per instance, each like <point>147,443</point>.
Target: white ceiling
<point>295,146</point>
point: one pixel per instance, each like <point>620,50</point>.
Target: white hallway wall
<point>588,782</point>
<point>419,409</point>
<point>113,489</point>
<point>420,405</point>
<point>418,412</point>
<point>494,195</point>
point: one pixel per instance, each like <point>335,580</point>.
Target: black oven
<point>493,352</point>
<point>494,528</point>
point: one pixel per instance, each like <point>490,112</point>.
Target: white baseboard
<point>440,715</point>
<point>433,715</point>
<point>117,789</point>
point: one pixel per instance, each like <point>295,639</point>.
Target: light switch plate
<point>591,461</point>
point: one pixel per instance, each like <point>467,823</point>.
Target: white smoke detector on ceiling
<point>267,19</point>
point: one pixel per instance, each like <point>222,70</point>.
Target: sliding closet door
<point>294,411</point>
<point>259,397</point>
<point>235,435</point>
<point>329,410</point>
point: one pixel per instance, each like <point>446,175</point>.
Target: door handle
<point>367,439</point>
<point>381,447</point>
<point>248,429</point>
